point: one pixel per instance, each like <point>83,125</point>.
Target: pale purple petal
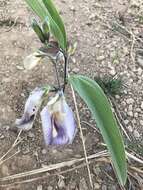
<point>46,125</point>
<point>57,116</point>
<point>61,137</point>
<point>65,121</point>
<point>31,107</point>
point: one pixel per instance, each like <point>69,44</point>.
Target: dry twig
<point>82,137</point>
<point>16,142</point>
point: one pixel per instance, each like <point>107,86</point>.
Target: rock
<point>142,105</point>
<point>130,113</point>
<point>140,61</point>
<point>136,134</point>
<point>96,170</point>
<point>75,70</point>
<point>96,186</point>
<point>83,185</point>
<point>140,71</point>
<point>72,8</point>
<point>7,127</point>
<point>136,114</point>
<point>31,135</point>
<point>126,121</point>
<point>113,187</point>
<point>138,110</point>
<point>130,107</point>
<point>72,186</point>
<point>61,184</point>
<point>104,187</point>
<point>92,16</point>
<point>39,187</point>
<point>117,97</point>
<point>44,151</point>
<point>50,188</point>
<point>4,170</point>
<point>141,122</point>
<point>130,101</point>
<point>100,58</point>
<point>2,137</point>
<point>112,72</point>
<point>130,128</point>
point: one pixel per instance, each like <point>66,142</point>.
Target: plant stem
<point>57,75</point>
<point>65,72</point>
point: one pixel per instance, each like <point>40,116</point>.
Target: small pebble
<point>50,188</point>
<point>7,127</point>
<point>136,114</point>
<point>72,8</point>
<point>96,186</point>
<point>75,70</point>
<point>2,137</point>
<point>83,185</point>
<point>130,113</point>
<point>130,101</point>
<point>44,151</point>
<point>130,107</point>
<point>142,105</point>
<point>104,187</point>
<point>136,134</point>
<point>130,128</point>
<point>126,121</point>
<point>39,187</point>
<point>31,135</point>
<point>61,184</point>
<point>138,110</point>
<point>141,122</point>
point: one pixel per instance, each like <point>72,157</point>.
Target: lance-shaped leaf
<point>98,104</point>
<point>55,30</point>
<point>38,31</point>
<point>38,7</point>
<point>56,17</point>
<point>54,20</point>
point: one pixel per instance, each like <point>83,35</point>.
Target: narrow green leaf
<point>98,104</point>
<point>56,17</point>
<point>38,31</point>
<point>56,31</point>
<point>38,8</point>
<point>55,23</point>
<point>46,30</point>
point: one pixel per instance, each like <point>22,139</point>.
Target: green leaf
<point>38,31</point>
<point>98,104</point>
<point>54,20</point>
<point>56,17</point>
<point>38,8</point>
<point>56,31</point>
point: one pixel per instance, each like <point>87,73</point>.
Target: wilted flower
<point>32,60</point>
<point>51,51</point>
<point>31,108</point>
<point>58,122</point>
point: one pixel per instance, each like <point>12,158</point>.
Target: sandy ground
<point>104,47</point>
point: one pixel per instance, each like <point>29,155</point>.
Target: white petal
<point>46,125</point>
<point>31,61</point>
<point>31,108</point>
<point>25,126</point>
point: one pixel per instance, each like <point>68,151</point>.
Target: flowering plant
<point>58,122</point>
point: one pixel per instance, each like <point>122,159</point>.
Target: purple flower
<point>31,108</point>
<point>58,122</point>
